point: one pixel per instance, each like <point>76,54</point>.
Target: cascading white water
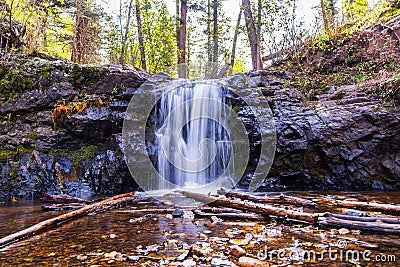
<point>193,147</point>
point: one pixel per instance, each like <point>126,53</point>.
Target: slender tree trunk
<point>125,37</point>
<point>140,36</point>
<point>120,21</point>
<point>235,37</point>
<point>79,35</point>
<point>259,16</point>
<point>252,33</point>
<point>209,53</point>
<point>182,41</point>
<point>328,14</point>
<point>215,32</point>
<point>178,22</point>
<point>324,16</point>
<point>332,12</point>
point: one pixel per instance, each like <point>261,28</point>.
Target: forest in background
<point>144,34</point>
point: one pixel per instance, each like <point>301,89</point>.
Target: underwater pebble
<point>251,262</point>
<point>237,251</point>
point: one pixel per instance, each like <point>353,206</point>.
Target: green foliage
<point>158,28</point>
<point>354,9</point>
<point>238,67</point>
<point>49,27</point>
<point>159,36</point>
<point>324,43</point>
<point>389,90</point>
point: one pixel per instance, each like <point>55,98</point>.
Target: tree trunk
<point>182,40</point>
<point>215,32</point>
<point>328,14</point>
<point>140,37</point>
<point>125,37</point>
<point>178,22</point>
<point>209,52</point>
<point>259,14</point>
<point>78,53</point>
<point>252,33</point>
<point>235,37</point>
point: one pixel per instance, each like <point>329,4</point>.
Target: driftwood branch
<point>101,206</point>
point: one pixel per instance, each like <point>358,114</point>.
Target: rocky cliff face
<point>61,132</point>
<point>346,140</point>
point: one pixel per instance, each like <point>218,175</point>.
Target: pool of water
<point>114,239</point>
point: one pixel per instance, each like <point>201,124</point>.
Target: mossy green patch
<point>10,153</point>
<point>83,76</point>
<point>79,155</point>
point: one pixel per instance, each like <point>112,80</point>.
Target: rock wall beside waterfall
<point>60,127</point>
<point>346,140</point>
<point>61,124</point>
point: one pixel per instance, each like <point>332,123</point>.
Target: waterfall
<point>191,137</point>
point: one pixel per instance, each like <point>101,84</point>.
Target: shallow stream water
<point>111,239</point>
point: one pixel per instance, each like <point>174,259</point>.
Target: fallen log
<point>367,219</point>
<point>371,206</point>
<point>62,207</point>
<point>281,199</point>
<point>61,199</point>
<point>376,226</point>
<point>140,211</point>
<point>97,207</point>
<point>263,209</point>
<point>232,216</point>
<point>218,210</point>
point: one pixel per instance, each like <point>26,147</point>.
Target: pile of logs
<point>261,207</point>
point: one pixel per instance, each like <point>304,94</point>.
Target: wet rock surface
<point>345,140</point>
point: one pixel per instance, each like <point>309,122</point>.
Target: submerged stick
<point>44,225</point>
